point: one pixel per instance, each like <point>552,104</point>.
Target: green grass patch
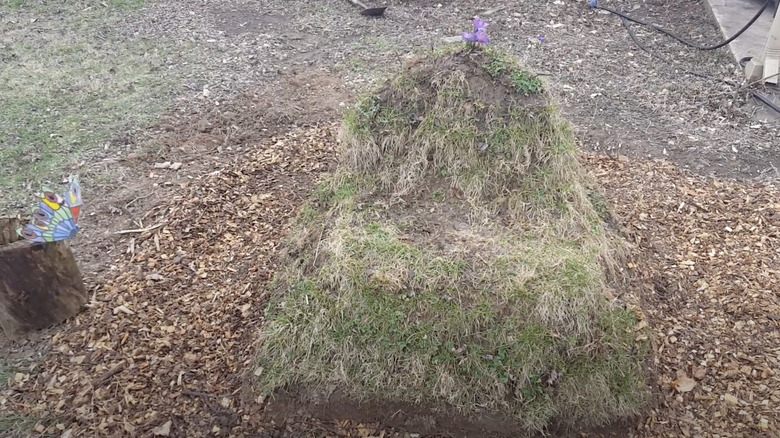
<point>6,373</point>
<point>500,64</point>
<point>71,83</point>
<point>456,260</point>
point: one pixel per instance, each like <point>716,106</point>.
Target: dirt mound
<point>454,267</point>
<point>471,120</point>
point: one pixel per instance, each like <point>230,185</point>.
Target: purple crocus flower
<point>479,35</point>
<point>542,39</point>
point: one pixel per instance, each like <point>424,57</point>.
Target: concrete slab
<point>732,15</point>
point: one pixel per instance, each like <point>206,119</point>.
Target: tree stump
<point>40,285</point>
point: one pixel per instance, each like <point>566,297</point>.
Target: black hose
<point>595,5</point>
<point>742,62</point>
<point>760,96</point>
<point>655,55</point>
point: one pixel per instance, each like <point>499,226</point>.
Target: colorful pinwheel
<point>56,217</point>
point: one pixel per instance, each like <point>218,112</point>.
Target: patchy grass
<point>504,149</point>
<point>500,64</point>
<point>17,426</point>
<point>13,426</point>
<point>491,324</point>
<point>456,260</point>
<point>70,87</point>
<point>6,373</point>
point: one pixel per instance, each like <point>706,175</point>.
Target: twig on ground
<point>137,199</point>
<point>118,368</point>
<point>141,230</point>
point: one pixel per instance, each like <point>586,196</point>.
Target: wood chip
<point>164,430</point>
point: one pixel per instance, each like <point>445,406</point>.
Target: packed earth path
<point>203,193</point>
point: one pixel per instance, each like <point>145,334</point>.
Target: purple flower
<point>542,39</point>
<point>479,35</point>
<point>479,25</point>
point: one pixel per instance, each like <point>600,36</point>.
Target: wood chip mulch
<point>166,347</point>
<point>712,258</point>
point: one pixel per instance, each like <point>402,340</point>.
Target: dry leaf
<point>683,384</point>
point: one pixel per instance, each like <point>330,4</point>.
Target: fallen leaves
<point>122,309</point>
<point>176,314</point>
<point>707,257</point>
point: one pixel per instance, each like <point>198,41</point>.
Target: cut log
<point>40,285</point>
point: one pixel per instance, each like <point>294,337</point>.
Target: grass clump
<point>500,64</point>
<point>456,261</point>
<point>16,426</point>
<point>6,373</point>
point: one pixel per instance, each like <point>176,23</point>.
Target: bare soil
<point>420,419</point>
<point>168,335</point>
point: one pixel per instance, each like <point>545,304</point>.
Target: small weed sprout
<point>525,83</point>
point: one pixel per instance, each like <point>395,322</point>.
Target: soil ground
<point>165,347</point>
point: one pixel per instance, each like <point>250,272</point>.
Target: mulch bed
<point>166,347</point>
<point>711,251</point>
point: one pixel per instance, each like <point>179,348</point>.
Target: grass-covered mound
<point>456,261</point>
